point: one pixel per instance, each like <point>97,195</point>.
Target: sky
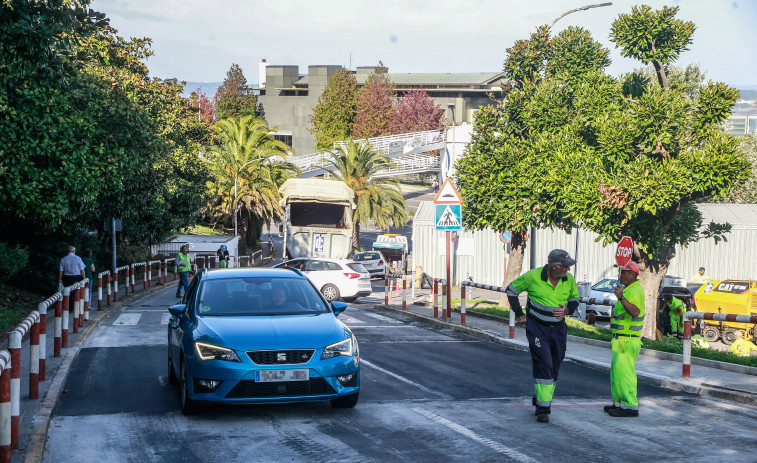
<point>198,40</point>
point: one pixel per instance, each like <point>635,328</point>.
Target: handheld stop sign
<point>624,252</point>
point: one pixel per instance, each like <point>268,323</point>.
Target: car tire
<point>711,333</point>
<point>349,299</point>
<point>348,401</point>
<point>188,406</point>
<point>330,292</point>
<point>172,379</point>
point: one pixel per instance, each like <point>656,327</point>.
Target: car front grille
<point>280,357</point>
<point>250,389</point>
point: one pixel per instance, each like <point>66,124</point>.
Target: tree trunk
<point>662,77</point>
<point>356,238</point>
<point>514,264</point>
<point>652,271</point>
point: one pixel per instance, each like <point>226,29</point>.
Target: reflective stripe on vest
<point>623,322</point>
<point>184,258</point>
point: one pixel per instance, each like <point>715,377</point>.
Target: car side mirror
<point>177,310</point>
<point>338,307</point>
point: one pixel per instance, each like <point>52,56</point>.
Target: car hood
<point>272,332</point>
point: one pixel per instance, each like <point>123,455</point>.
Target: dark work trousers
<point>68,280</point>
<point>547,345</point>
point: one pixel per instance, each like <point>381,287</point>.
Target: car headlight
<point>211,352</point>
<point>338,348</point>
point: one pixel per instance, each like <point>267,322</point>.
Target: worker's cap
<point>632,266</point>
<point>558,256</point>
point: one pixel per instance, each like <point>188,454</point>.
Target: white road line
<point>164,318</point>
<point>405,380</point>
<point>381,317</point>
<point>128,319</point>
<point>496,446</point>
<point>349,320</point>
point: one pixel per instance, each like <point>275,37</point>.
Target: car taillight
<point>381,262</point>
<point>352,276</point>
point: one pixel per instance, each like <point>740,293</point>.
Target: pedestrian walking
<point>672,312</point>
<point>183,266</point>
<point>435,186</point>
<point>627,320</point>
<point>70,271</point>
<point>89,268</point>
<point>552,294</point>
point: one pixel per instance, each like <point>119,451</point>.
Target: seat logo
<point>281,357</point>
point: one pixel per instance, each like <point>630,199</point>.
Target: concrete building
<point>288,97</point>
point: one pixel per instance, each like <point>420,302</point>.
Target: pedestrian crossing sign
<point>449,217</point>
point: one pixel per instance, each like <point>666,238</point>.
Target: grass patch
<point>584,330</point>
<point>203,230</point>
<point>15,305</point>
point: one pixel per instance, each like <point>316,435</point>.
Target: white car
<point>604,289</point>
<point>373,261</point>
<point>334,278</point>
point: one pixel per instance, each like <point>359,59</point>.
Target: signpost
<point>449,218</point>
<point>624,252</point>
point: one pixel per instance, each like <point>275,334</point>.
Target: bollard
<point>444,301</point>
<point>34,360</point>
<point>115,286</point>
<point>462,303</point>
<point>42,309</point>
<point>64,319</point>
<point>99,292</point>
<point>5,407</point>
<point>448,293</point>
<point>85,315</point>
<point>58,326</point>
<point>386,290</point>
<point>144,276</point>
<point>687,349</point>
<point>149,274</point>
<point>436,298</point>
<point>132,271</point>
<point>512,324</point>
<point>412,285</point>
<point>404,292</point>
<point>108,279</point>
<point>15,351</point>
<point>77,296</point>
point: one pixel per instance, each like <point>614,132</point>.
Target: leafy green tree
<point>378,199</point>
<point>234,98</point>
<point>251,158</point>
<point>374,104</point>
<point>334,114</point>
<point>747,193</point>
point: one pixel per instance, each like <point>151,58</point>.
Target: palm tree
<point>253,161</point>
<point>378,199</point>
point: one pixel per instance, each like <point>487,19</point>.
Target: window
<point>286,139</point>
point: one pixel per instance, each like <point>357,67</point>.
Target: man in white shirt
<point>71,268</point>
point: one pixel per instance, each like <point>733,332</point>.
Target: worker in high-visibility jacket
<point>700,341</point>
<point>183,267</point>
<point>552,294</point>
<point>676,310</point>
<point>626,322</point>
<point>741,346</point>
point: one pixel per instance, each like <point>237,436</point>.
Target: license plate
<point>276,376</point>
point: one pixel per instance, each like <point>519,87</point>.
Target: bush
<point>12,260</point>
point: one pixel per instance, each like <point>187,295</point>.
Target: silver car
<point>604,289</point>
<point>373,261</point>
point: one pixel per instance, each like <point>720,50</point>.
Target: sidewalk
<point>653,367</point>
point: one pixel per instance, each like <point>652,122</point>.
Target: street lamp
<point>583,8</point>
<point>235,192</point>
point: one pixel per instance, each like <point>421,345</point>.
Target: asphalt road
<point>426,395</point>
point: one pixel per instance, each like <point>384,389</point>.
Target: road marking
<point>381,317</point>
<point>164,318</point>
<point>349,320</point>
<point>405,380</point>
<point>496,446</point>
<point>128,319</point>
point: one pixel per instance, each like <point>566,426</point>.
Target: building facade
<point>288,97</point>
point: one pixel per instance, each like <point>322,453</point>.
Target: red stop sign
<point>624,252</point>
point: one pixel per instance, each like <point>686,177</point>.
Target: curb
<point>35,444</point>
<point>689,386</point>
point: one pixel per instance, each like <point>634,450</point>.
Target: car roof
<point>262,272</point>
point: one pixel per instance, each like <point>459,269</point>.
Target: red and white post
<point>132,271</point>
<point>444,300</point>
<point>42,309</point>
<point>34,358</point>
<point>77,300</point>
<point>99,292</point>
<point>115,286</point>
<point>687,348</point>
<point>386,290</point>
<point>462,303</point>
<point>108,279</point>
<point>404,292</point>
<point>85,315</point>
<point>58,328</point>
<point>64,319</point>
<point>5,407</point>
<point>436,298</point>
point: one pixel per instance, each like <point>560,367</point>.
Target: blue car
<point>260,335</point>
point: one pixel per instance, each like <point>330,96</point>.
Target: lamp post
<point>235,192</point>
<point>583,8</point>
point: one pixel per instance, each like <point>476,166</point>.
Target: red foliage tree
<point>416,112</point>
<point>374,106</point>
<point>204,105</point>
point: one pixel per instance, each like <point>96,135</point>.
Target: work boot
<point>623,412</point>
<point>610,407</point>
<point>543,418</point>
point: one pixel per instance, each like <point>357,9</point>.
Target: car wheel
<point>349,299</point>
<point>347,401</point>
<point>711,333</point>
<point>728,337</point>
<point>172,379</point>
<point>188,407</point>
<point>330,292</point>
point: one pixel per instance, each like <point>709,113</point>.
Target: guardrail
<point>499,289</point>
<point>446,311</point>
<point>391,284</point>
<point>687,328</point>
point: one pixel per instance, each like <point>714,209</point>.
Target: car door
<point>179,328</point>
<point>317,271</point>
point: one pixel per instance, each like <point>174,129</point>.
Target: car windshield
<point>607,285</point>
<point>366,256</point>
<point>255,296</point>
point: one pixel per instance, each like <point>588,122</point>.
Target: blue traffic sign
<point>448,217</point>
<point>506,236</point>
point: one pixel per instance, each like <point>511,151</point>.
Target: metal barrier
<point>100,289</point>
<point>499,289</point>
<point>722,317</point>
<point>257,255</point>
<point>115,281</point>
<point>446,311</point>
<point>28,324</point>
<point>5,406</point>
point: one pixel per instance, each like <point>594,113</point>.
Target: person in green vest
<point>741,346</point>
<point>627,320</point>
<point>183,266</point>
<point>700,341</point>
<point>676,310</point>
